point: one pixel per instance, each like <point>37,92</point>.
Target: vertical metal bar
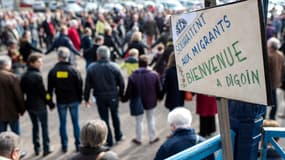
<point>264,147</point>
<point>224,124</point>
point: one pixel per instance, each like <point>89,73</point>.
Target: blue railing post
<point>268,137</point>
<point>202,150</point>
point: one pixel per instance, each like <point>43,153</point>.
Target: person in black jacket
<point>174,97</point>
<point>108,86</point>
<point>136,42</point>
<point>32,86</point>
<point>109,41</point>
<point>26,47</point>
<point>48,26</point>
<point>67,83</point>
<point>163,59</point>
<point>86,40</point>
<point>90,54</point>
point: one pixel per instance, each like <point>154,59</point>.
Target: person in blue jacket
<point>183,136</point>
<point>63,41</point>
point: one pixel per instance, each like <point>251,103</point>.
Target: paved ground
<point>125,149</point>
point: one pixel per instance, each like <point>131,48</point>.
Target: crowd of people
<point>102,39</point>
<point>275,34</point>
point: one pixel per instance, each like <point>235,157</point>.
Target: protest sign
<point>219,52</point>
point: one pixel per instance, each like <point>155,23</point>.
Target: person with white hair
<point>276,65</point>
<point>9,33</point>
<point>107,82</point>
<point>183,136</point>
<point>11,97</point>
<point>73,34</point>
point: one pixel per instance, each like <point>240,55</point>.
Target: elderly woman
<point>183,135</point>
<point>93,137</point>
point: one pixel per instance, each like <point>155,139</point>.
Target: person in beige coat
<point>276,66</point>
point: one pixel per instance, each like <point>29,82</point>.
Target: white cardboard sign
<point>219,52</point>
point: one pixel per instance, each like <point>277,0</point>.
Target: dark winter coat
<point>105,78</point>
<point>11,97</point>
<point>109,41</point>
<point>91,53</point>
<point>33,87</point>
<point>86,42</point>
<point>62,41</point>
<point>137,45</point>
<point>174,97</point>
<point>150,28</point>
<point>67,83</point>
<point>146,83</point>
<point>26,49</point>
<point>179,141</point>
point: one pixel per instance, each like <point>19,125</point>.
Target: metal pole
<point>223,113</point>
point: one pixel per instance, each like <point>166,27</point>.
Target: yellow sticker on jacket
<point>61,74</point>
<point>48,97</point>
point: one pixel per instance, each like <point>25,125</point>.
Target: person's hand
<point>21,114</point>
<point>123,99</point>
<point>87,104</point>
<point>51,106</point>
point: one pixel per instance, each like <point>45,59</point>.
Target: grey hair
<point>274,43</point>
<point>180,117</point>
<point>103,52</point>
<point>8,142</point>
<point>93,133</point>
<point>5,61</point>
<point>63,53</point>
<point>73,23</point>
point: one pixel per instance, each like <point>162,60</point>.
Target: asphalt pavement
<point>125,149</point>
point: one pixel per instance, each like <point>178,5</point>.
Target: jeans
<point>74,113</point>
<point>150,124</point>
<point>104,104</point>
<point>15,126</point>
<point>36,118</point>
<point>34,43</point>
